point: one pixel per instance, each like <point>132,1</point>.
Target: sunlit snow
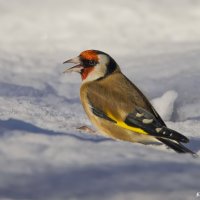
<point>42,154</point>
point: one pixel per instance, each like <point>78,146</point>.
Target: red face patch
<point>89,55</point>
<point>85,72</point>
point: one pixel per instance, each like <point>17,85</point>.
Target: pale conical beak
<point>77,68</point>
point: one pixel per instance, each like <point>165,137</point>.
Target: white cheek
<point>95,74</point>
<point>103,59</point>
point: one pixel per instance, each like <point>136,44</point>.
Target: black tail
<point>166,132</point>
<point>176,146</point>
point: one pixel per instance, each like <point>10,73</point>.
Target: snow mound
<point>165,104</point>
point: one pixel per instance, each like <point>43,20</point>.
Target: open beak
<point>77,68</point>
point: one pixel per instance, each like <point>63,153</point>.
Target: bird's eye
<point>91,62</point>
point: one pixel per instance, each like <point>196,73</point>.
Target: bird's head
<point>93,65</point>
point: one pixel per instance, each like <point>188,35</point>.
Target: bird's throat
<point>85,72</point>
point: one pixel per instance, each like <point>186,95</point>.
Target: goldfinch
<point>117,107</point>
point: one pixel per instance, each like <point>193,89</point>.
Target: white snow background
<point>42,155</point>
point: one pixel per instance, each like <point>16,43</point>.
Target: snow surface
<point>42,154</point>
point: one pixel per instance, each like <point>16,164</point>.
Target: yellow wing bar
<point>124,125</point>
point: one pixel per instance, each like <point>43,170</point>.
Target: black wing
<point>150,124</point>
